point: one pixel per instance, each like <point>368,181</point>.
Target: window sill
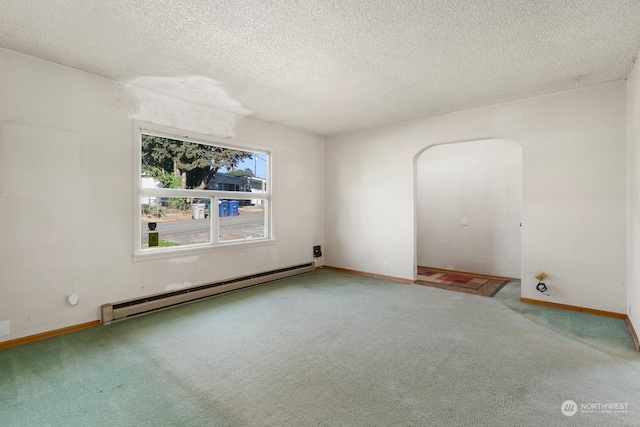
<point>198,250</point>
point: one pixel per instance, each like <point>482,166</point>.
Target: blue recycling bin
<point>223,209</point>
<point>233,207</point>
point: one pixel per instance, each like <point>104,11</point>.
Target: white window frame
<point>214,245</point>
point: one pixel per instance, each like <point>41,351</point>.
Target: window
<point>198,193</point>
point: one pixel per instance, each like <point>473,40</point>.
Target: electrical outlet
<point>386,265</point>
<point>4,329</point>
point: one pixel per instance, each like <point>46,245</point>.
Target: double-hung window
<point>198,192</point>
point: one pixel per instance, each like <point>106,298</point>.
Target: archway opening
<point>468,207</point>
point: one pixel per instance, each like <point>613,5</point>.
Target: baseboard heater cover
<point>127,309</point>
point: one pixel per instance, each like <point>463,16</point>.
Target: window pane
<point>178,221</point>
<point>200,192</point>
<point>173,163</point>
<point>242,219</point>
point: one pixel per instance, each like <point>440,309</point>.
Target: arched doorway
<point>468,207</point>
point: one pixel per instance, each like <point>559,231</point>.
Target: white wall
<point>574,191</point>
<point>469,200</point>
<point>633,241</point>
<point>66,195</point>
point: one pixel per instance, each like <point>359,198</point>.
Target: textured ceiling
<point>328,66</point>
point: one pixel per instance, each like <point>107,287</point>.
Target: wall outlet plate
<point>317,251</point>
<point>541,276</point>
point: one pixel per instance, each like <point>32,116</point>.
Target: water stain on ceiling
<point>197,89</point>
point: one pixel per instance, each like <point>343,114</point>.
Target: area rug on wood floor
<point>486,286</point>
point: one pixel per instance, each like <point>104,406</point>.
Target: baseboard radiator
<point>127,309</point>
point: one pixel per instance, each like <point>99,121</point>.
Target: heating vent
<point>136,307</point>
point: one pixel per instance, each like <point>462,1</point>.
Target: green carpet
<point>329,349</point>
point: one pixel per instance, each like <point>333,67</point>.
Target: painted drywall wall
<point>66,195</point>
<point>469,201</point>
<point>574,191</point>
<point>633,217</point>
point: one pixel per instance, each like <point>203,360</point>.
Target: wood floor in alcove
<point>471,283</point>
